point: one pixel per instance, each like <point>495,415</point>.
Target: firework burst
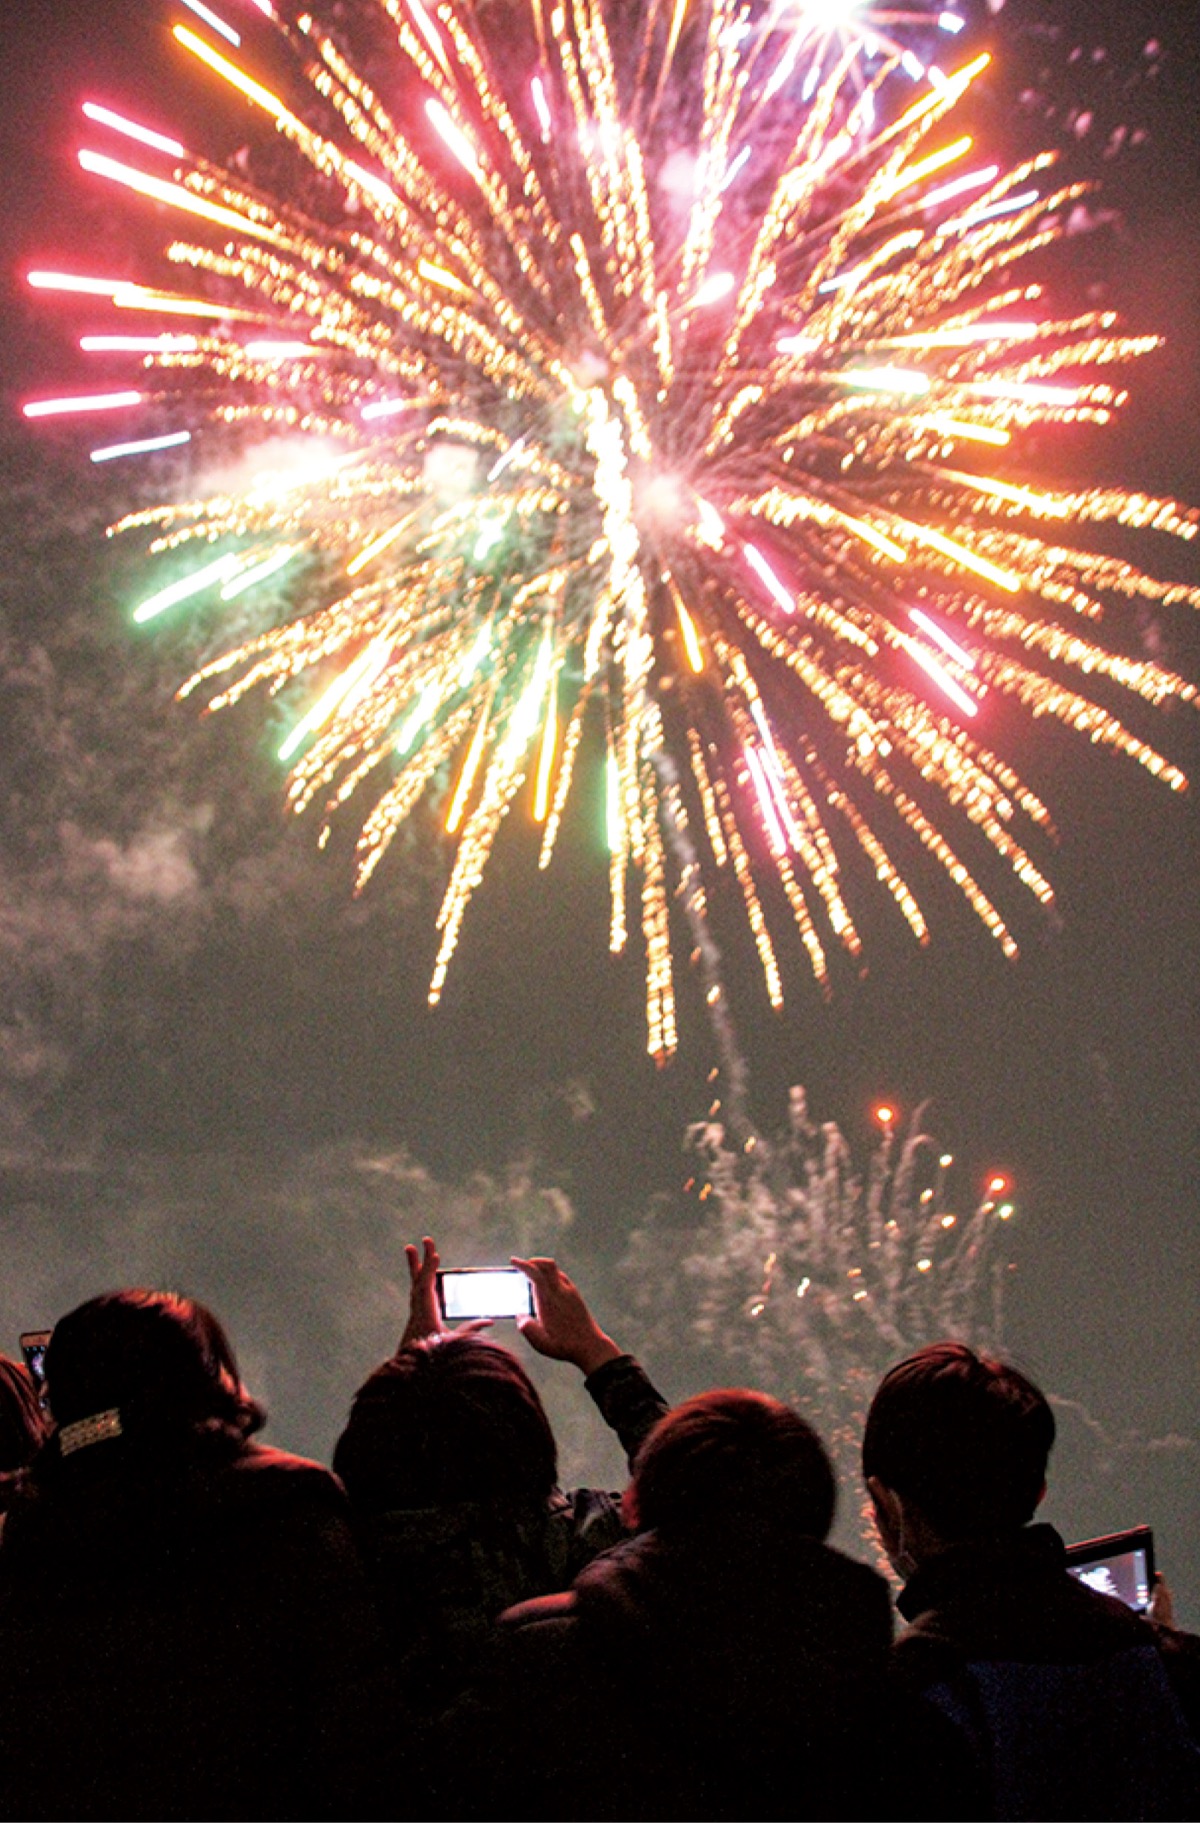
<point>659,370</point>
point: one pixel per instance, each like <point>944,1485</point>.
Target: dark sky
<point>212,1063</point>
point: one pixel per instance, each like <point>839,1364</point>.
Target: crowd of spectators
<point>195,1625</point>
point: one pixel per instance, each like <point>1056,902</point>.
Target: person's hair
<point>23,1425</point>
<point>733,1451</point>
<point>450,1419</point>
<point>965,1437</point>
<point>161,1360</point>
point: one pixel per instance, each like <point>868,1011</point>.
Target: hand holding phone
<point>564,1328</point>
<point>425,1316</point>
<point>1161,1606</point>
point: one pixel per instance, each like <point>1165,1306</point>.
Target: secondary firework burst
<point>662,370</point>
<point>803,1272</point>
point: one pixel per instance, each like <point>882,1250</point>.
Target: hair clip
<point>96,1429</point>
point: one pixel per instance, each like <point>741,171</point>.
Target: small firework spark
<point>659,374</point>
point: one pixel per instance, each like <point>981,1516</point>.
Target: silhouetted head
<point>964,1437</point>
<point>450,1419</point>
<point>734,1453</point>
<point>23,1426</point>
<point>162,1361</point>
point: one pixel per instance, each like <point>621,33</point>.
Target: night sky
<point>217,1071</point>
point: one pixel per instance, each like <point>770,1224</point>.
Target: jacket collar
<point>1035,1551</point>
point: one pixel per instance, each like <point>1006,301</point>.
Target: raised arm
<point>564,1329</point>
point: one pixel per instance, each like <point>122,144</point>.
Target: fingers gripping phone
<point>484,1291</point>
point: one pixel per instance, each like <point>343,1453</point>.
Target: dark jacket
<point>1078,1706</point>
<point>188,1636</point>
<point>443,1574</point>
<point>740,1671</point>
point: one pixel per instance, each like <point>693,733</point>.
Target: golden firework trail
<point>659,371</point>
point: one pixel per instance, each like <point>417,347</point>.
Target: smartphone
<point>1120,1564</point>
<point>34,1344</point>
<point>484,1291</point>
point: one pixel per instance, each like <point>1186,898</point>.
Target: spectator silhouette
<point>723,1663</point>
<point>23,1427</point>
<point>451,1468</point>
<point>1077,1706</point>
<point>185,1628</point>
